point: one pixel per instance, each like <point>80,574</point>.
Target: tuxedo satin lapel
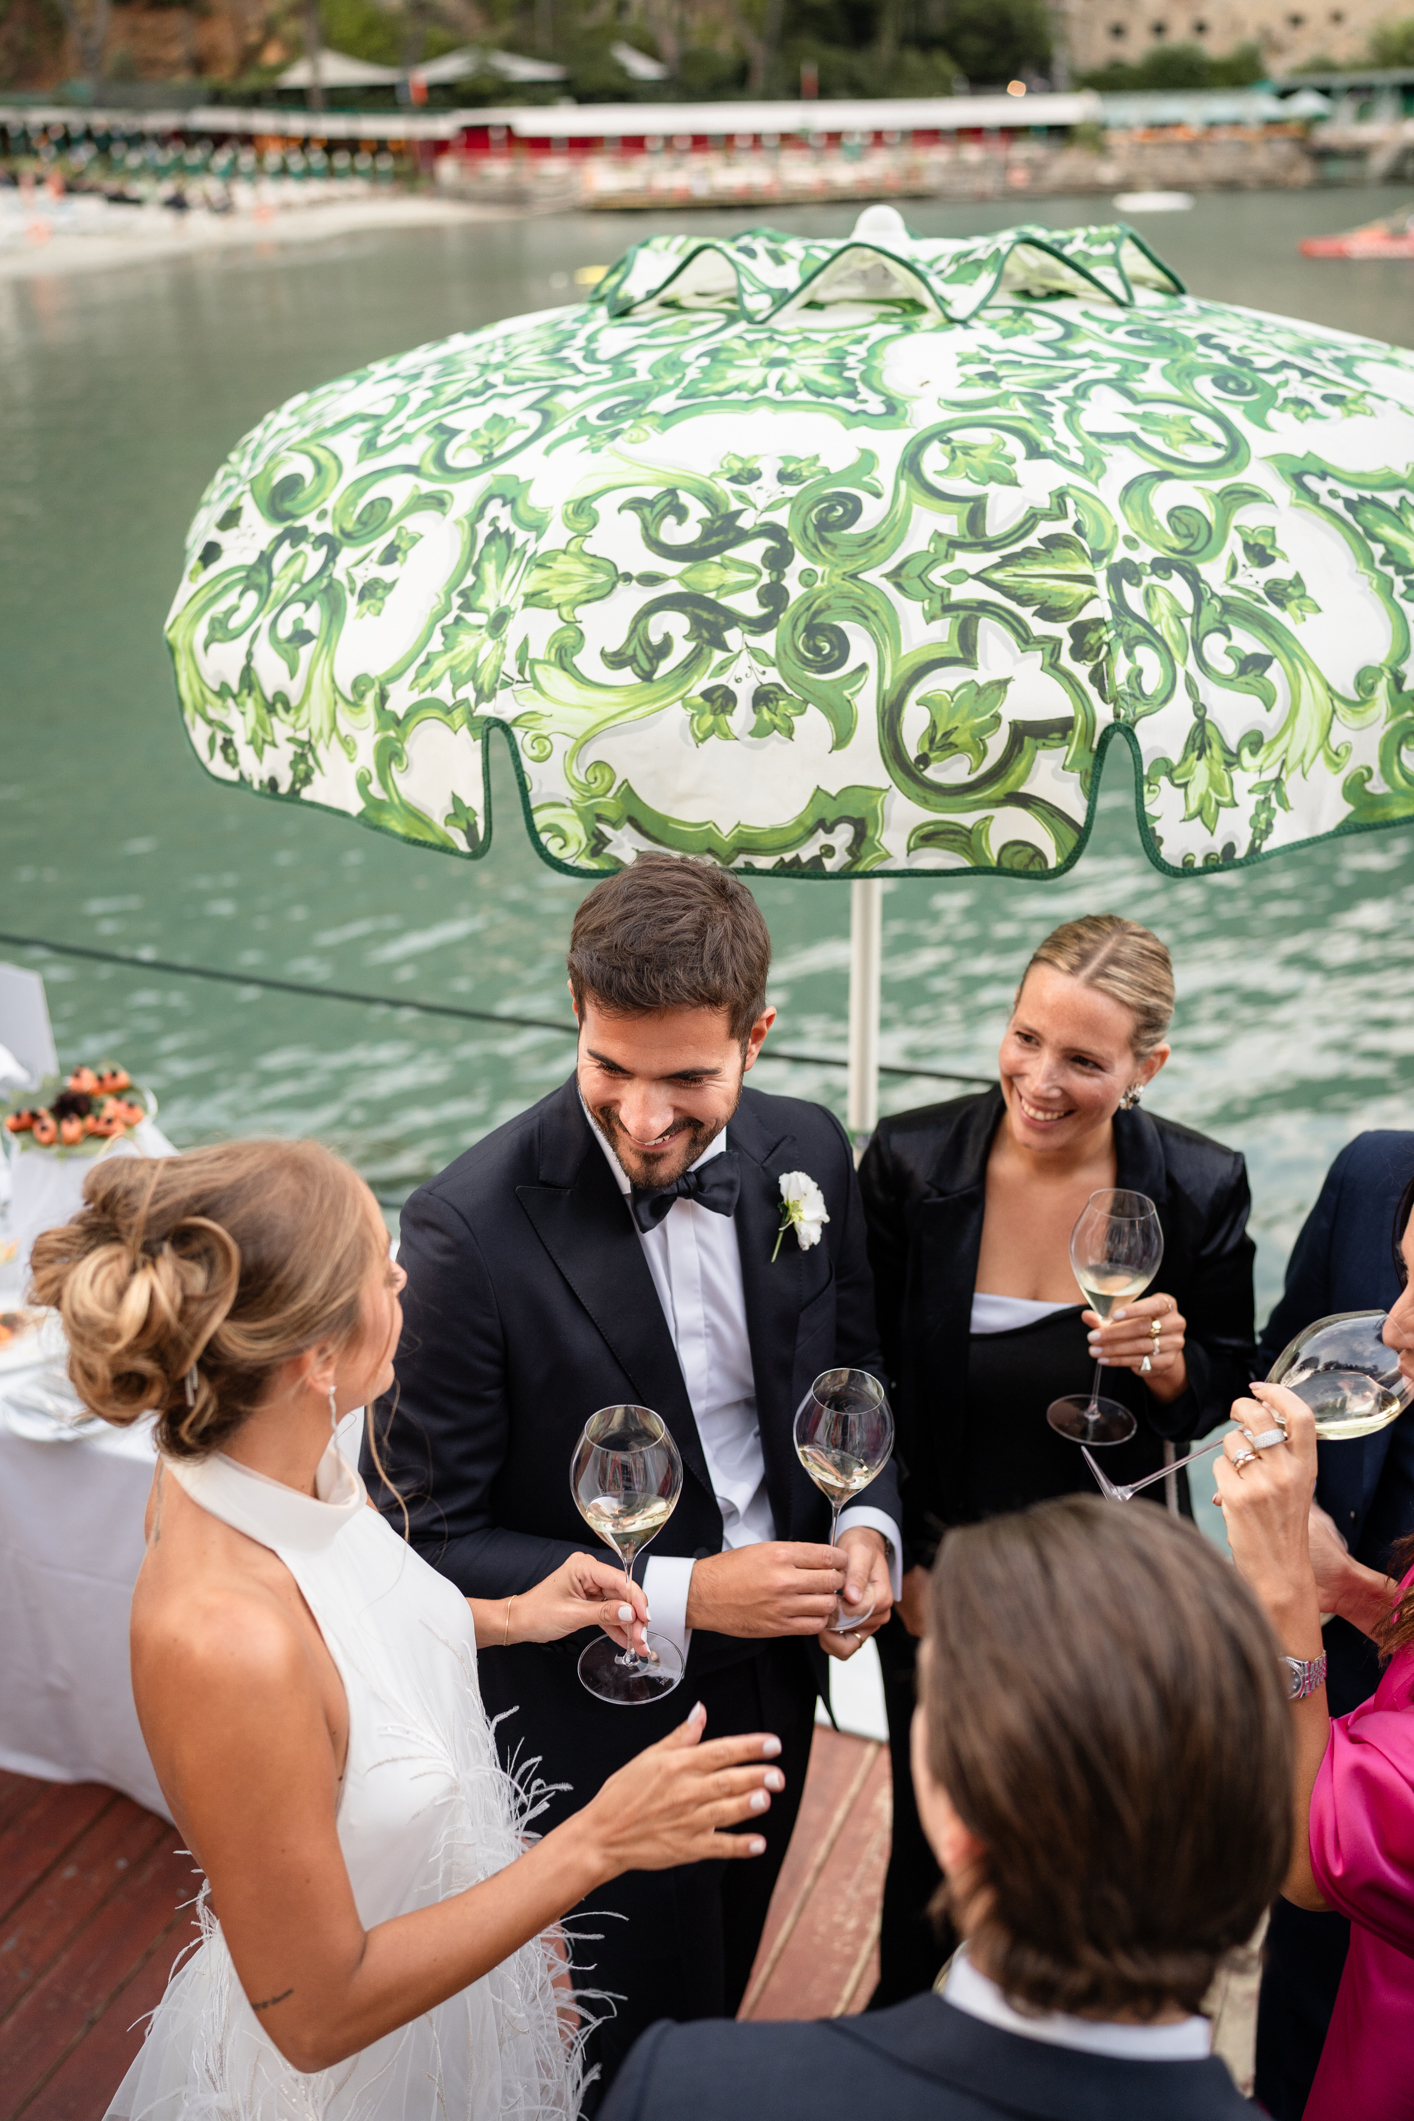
<point>775,1293</point>
<point>586,1228</point>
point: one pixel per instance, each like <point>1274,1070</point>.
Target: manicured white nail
<point>770,1747</point>
<point>625,1612</point>
<point>759,1800</point>
<point>775,1780</point>
<point>757,1845</point>
<point>697,1713</point>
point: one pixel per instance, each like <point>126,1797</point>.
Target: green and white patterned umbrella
<point>842,558</point>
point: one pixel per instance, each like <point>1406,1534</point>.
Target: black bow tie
<point>713,1185</point>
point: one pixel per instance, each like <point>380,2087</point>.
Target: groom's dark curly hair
<point>671,932</point>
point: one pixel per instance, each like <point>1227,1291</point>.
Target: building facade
<point>1290,33</point>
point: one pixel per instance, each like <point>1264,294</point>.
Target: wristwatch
<point>1307,1673</point>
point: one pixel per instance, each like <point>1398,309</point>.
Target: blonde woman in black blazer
<point>969,1208</point>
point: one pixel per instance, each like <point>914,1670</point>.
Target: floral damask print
<point>825,557</point>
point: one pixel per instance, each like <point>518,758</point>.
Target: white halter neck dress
<point>424,1811</point>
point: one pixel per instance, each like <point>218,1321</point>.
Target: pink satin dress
<point>1362,1856</point>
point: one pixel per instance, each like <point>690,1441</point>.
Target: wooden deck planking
<point>819,1954</point>
<point>94,1895</point>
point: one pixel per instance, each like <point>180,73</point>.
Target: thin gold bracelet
<point>506,1643</point>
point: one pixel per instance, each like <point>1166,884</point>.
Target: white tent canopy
<point>471,59</point>
<point>338,70</point>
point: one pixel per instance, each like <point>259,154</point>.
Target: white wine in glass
<point>1116,1249</point>
<point>1347,1376</point>
<point>626,1476</point>
<point>844,1436</point>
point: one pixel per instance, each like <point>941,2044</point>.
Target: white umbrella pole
<point>866,949</point>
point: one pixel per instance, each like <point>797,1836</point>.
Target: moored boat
<point>1391,237</point>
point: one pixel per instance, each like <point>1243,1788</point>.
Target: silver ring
<point>1267,1438</point>
<point>1243,1458</point>
<point>1146,1365</point>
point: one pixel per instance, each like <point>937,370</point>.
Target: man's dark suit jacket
<point>1343,1260</point>
<point>529,1305</point>
<point>922,2061</point>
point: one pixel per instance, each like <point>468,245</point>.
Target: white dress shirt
<point>695,1262</point>
<point>967,1989</point>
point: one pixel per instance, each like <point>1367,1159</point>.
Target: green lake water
<point>121,391</point>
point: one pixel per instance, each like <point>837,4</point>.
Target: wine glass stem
<point>834,1531</point>
<point>630,1656</point>
<point>1092,1411</point>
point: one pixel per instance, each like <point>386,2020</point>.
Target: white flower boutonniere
<point>802,1210</point>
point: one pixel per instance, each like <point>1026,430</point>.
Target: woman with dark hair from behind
<point>970,1206</point>
<point>1346,1258</point>
<point>1353,1848</point>
<point>1102,1757</point>
<point>378,1943</point>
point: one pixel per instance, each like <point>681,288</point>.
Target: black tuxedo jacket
<point>924,1180</point>
<point>529,1305</point>
<point>922,2061</point>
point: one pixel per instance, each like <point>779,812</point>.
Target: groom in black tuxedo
<point>621,1242</point>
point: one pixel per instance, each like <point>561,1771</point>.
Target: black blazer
<point>1344,1261</point>
<point>921,2061</point>
<point>924,1184</point>
<point>529,1304</point>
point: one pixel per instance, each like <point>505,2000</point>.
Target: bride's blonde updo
<point>226,1261</point>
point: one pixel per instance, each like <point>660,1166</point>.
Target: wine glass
<point>1342,1369</point>
<point>1115,1251</point>
<point>1347,1376</point>
<point>844,1435</point>
<point>626,1477</point>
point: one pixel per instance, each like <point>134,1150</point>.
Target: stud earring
<point>1131,1097</point>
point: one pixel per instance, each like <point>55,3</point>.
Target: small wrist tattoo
<point>271,2001</point>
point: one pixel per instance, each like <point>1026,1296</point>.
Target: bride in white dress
<point>380,1935</point>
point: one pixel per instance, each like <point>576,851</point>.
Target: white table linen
<point>71,1543</point>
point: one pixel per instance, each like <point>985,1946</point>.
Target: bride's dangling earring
<point>333,1414</point>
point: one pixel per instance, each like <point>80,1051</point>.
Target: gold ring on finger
<point>1243,1458</point>
<point>1156,1329</point>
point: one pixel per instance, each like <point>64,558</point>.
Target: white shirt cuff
<point>862,1517</point>
<point>666,1578</point>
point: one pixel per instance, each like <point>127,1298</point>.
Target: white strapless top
<point>1003,1314</point>
<point>425,1811</point>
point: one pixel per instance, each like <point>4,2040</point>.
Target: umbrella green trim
<point>935,273</point>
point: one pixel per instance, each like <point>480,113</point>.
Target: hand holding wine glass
<point>844,1437</point>
<point>626,1476</point>
<point>1116,1249</point>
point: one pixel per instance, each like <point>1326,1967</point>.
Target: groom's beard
<point>695,1136</point>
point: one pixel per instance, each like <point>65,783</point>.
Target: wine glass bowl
<point>1347,1376</point>
<point>626,1476</point>
<point>1116,1249</point>
<point>844,1437</point>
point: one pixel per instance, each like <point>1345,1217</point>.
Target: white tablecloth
<point>71,1543</point>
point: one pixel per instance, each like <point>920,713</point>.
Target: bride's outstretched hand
<point>676,1801</point>
<point>584,1592</point>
